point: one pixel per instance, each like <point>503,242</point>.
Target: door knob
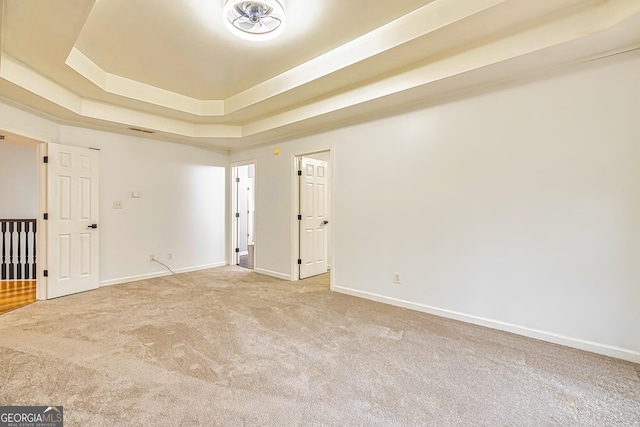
<point>326,222</point>
<point>92,226</point>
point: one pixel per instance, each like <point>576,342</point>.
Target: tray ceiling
<point>171,67</point>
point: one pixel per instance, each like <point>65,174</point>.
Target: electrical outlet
<point>117,204</point>
<point>152,258</point>
<point>396,278</point>
<point>169,256</point>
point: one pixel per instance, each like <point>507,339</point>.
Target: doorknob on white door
<point>325,222</point>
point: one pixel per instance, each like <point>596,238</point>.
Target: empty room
<point>233,212</point>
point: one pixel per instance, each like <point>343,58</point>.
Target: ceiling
<point>172,68</point>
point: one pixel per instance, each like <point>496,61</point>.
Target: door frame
<point>233,233</point>
<point>295,202</point>
<point>42,150</point>
<point>40,147</point>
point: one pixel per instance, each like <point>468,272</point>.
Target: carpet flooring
<point>230,347</point>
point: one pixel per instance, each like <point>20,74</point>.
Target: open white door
<point>313,217</point>
<point>72,207</point>
<point>243,196</point>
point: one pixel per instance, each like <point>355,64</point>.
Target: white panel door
<point>313,210</point>
<point>72,234</point>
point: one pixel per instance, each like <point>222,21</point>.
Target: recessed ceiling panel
<point>184,46</point>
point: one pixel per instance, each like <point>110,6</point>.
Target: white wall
<point>518,208</point>
<point>21,123</point>
<point>274,203</point>
<point>181,211</point>
<point>18,182</point>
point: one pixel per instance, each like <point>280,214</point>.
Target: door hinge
<point>299,173</point>
<point>46,159</point>
<point>46,216</point>
<point>299,261</point>
<point>237,179</point>
<point>45,273</point>
<point>299,217</point>
<point>237,214</point>
<point>237,249</point>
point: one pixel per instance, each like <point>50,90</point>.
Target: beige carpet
<point>229,347</point>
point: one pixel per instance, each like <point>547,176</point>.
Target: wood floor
<point>16,293</point>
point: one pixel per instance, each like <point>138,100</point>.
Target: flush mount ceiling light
<point>254,20</point>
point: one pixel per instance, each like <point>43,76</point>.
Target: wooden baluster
<point>32,261</point>
<point>4,252</point>
<point>19,257</point>
<point>11,264</point>
<point>25,266</point>
<point>35,245</point>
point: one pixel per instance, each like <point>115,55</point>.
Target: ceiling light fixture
<point>254,20</point>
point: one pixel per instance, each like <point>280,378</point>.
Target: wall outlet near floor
<point>117,204</point>
<point>396,278</point>
<point>152,258</point>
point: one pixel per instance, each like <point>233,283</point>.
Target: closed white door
<point>72,207</point>
<point>313,217</point>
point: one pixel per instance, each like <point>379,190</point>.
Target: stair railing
<point>18,246</point>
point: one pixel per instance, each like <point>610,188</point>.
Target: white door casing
<point>236,215</point>
<point>72,207</point>
<point>250,207</point>
<point>313,217</point>
<point>243,210</point>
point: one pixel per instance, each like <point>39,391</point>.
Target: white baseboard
<point>273,274</point>
<point>201,267</point>
<point>243,253</point>
<point>159,274</point>
<point>594,347</point>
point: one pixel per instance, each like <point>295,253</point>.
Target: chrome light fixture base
<point>254,19</point>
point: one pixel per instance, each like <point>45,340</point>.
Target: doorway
<point>243,214</point>
<point>312,204</point>
<point>47,261</point>
<point>18,221</point>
